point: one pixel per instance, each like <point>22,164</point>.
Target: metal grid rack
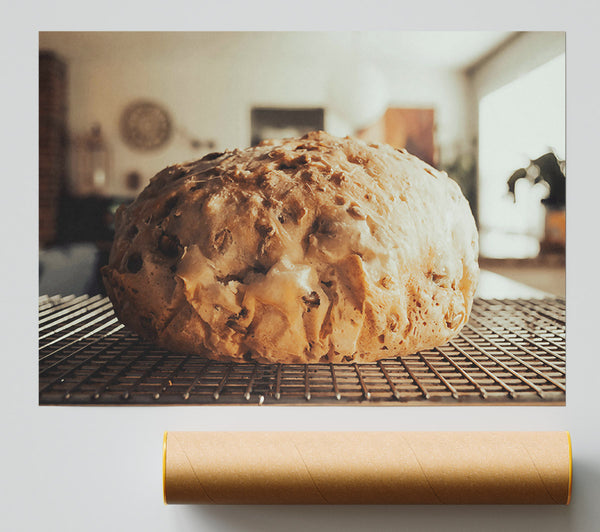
<point>510,352</point>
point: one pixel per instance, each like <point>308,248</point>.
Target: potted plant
<point>549,169</point>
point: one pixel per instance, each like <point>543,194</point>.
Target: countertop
<point>492,285</point>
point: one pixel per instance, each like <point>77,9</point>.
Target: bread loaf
<point>317,249</point>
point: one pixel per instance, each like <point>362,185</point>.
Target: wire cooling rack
<point>510,352</point>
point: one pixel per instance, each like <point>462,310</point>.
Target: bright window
<point>517,123</point>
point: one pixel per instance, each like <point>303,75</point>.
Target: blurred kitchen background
<point>487,107</point>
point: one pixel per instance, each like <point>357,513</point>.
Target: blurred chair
<point>70,269</point>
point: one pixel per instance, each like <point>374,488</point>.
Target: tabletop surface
<point>492,285</point>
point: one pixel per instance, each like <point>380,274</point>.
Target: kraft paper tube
<point>367,467</point>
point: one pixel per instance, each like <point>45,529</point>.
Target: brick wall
<point>52,142</point>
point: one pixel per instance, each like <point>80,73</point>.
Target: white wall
<point>525,52</point>
<point>210,81</point>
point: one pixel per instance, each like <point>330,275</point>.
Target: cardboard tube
<point>367,467</point>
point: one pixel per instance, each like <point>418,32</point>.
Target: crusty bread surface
<point>317,249</point>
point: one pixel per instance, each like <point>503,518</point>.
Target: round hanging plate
<point>145,125</point>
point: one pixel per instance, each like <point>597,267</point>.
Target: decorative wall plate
<point>145,125</point>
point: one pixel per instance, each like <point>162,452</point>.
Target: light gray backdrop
<point>99,468</point>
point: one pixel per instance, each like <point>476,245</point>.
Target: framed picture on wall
<point>282,122</point>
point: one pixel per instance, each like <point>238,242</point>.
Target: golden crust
<point>295,251</point>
